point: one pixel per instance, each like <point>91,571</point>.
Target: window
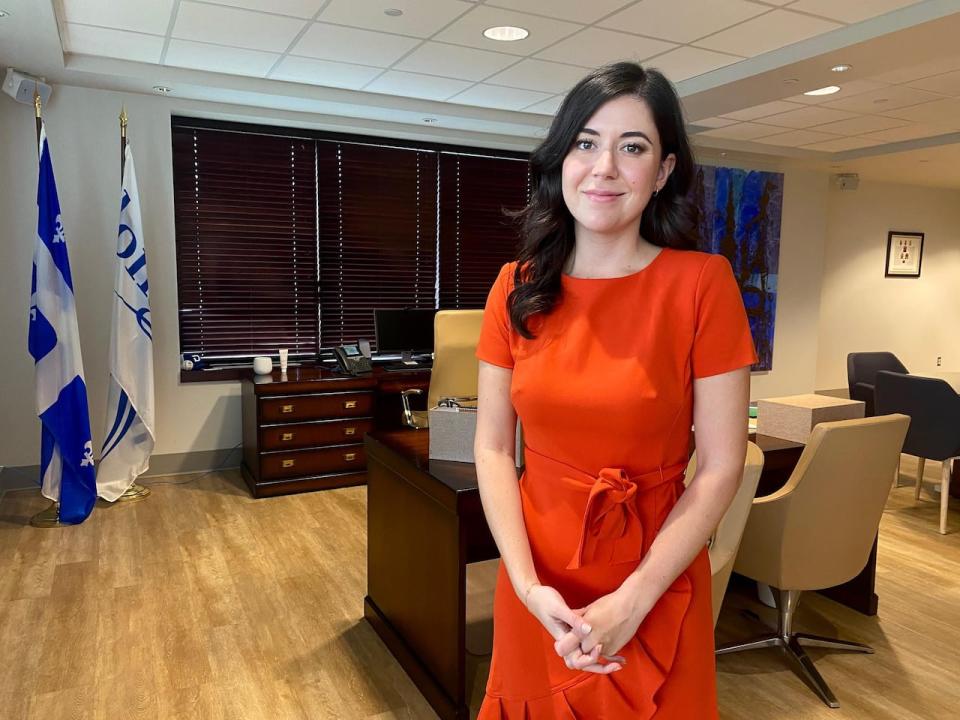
<point>245,216</point>
<point>291,238</point>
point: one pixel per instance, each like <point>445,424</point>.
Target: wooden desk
<point>303,430</point>
<point>424,524</point>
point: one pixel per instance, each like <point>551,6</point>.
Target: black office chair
<point>934,410</point>
<point>862,369</point>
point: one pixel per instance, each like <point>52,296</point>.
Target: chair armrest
<point>862,391</point>
<point>760,547</point>
<point>407,412</point>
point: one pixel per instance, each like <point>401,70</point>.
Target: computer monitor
<point>404,331</point>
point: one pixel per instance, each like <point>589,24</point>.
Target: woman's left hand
<point>613,620</point>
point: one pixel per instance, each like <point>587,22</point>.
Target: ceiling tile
<point>882,100</point>
<point>686,62</point>
<point>767,32</point>
<point>861,125</point>
<point>572,10</point>
<point>540,75</point>
<point>421,18</point>
<point>945,110</point>
<point>741,131</point>
<point>682,21</point>
<point>468,30</point>
<point>296,8</point>
<point>495,96</point>
<point>807,117</point>
<point>546,107</point>
<point>324,72</point>
<point>426,87</point>
<point>713,122</point>
<point>216,58</point>
<point>150,17</point>
<point>759,111</point>
<point>795,138</point>
<point>842,144</point>
<point>106,42</point>
<point>362,47</point>
<point>915,72</point>
<point>915,131</point>
<point>850,11</point>
<point>455,61</point>
<point>594,47</point>
<point>236,28</point>
<point>847,89</point>
<point>945,84</point>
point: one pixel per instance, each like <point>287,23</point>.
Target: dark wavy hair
<point>669,220</point>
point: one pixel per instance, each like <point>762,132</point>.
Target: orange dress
<point>605,395</point>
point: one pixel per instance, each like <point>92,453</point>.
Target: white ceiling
<point>732,60</point>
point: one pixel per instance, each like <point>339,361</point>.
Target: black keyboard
<point>401,367</point>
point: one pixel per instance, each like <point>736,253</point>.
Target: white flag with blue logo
<point>66,449</point>
<point>130,428</point>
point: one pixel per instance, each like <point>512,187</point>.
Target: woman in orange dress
<point>609,337</point>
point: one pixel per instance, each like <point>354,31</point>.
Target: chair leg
<point>807,640</point>
<point>945,493</point>
<point>921,462</point>
<point>808,671</point>
<point>766,641</point>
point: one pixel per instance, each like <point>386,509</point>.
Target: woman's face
<point>614,166</point>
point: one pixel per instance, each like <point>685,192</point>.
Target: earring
<point>655,192</point>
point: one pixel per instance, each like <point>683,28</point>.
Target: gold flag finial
<point>37,106</point>
<point>123,121</point>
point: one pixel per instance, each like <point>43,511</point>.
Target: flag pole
<point>135,491</point>
<point>49,518</point>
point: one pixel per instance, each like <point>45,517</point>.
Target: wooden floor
<point>203,603</point>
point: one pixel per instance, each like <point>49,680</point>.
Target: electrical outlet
<point>939,358</point>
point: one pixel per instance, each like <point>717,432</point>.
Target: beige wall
<point>861,310</point>
<point>82,128</point>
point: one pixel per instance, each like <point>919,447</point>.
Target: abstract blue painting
<point>740,214</point>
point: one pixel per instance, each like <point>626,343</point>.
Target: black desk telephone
<point>351,360</point>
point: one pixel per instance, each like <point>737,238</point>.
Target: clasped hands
<point>587,639</point>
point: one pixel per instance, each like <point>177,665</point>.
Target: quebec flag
<point>66,449</point>
<point>130,428</point>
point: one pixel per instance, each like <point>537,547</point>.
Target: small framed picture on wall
<point>904,254</point>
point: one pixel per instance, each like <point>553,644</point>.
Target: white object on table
<point>284,353</point>
<point>262,365</point>
<point>794,416</point>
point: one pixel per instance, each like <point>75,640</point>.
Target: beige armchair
<point>817,530</point>
<point>726,538</point>
<point>455,366</point>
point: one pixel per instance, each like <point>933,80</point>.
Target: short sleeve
<point>494,346</point>
<point>722,341</point>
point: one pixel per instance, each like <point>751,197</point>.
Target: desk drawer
<point>291,408</point>
<point>341,458</point>
<point>304,435</point>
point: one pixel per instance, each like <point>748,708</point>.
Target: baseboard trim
<point>26,477</point>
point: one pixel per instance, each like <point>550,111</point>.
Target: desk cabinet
<point>304,430</point>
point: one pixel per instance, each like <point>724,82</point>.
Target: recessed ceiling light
<point>430,120</point>
<point>841,68</point>
<point>161,89</point>
<point>393,12</point>
<point>828,90</point>
<point>506,33</point>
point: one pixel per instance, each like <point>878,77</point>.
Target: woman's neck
<point>605,256</point>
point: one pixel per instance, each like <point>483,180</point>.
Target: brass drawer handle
<point>350,456</point>
<point>350,431</point>
<point>286,436</point>
<point>288,463</point>
<point>286,409</point>
<point>349,404</point>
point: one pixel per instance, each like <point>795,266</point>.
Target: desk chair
<point>455,366</point>
<point>725,541</point>
<point>818,529</point>
<point>862,369</point>
<point>934,410</point>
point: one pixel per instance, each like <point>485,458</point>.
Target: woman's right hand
<point>549,607</point>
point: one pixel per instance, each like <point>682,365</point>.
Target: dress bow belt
<point>612,531</point>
